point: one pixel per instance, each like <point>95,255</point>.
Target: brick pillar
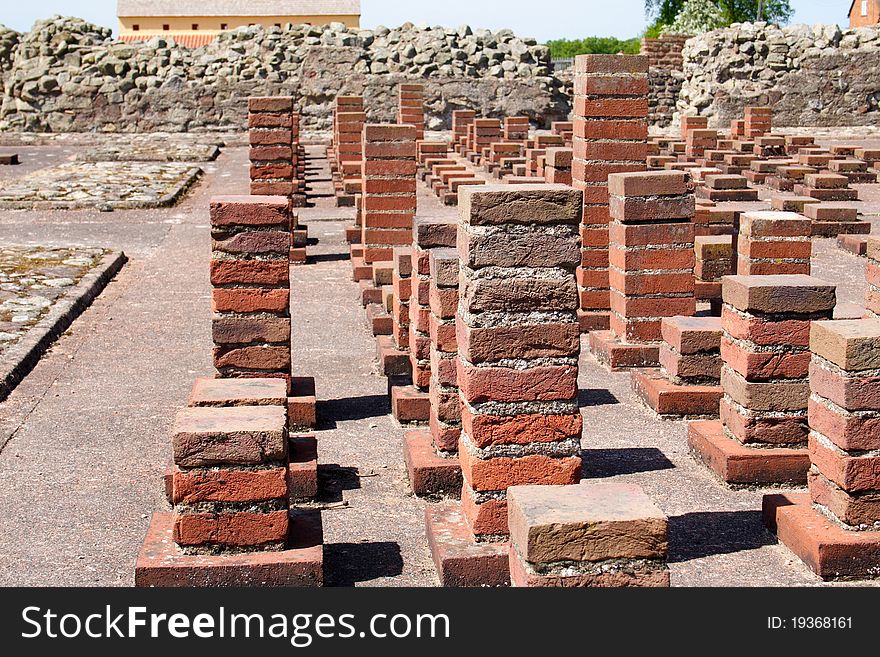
<point>461,119</point>
<point>411,109</point>
<point>738,128</point>
<point>214,447</point>
<point>516,128</point>
<point>771,243</point>
<point>236,468</point>
<point>350,126</point>
<point>344,105</point>
<point>762,435</point>
<point>520,420</point>
<point>652,265</point>
<point>388,189</point>
<point>401,282</point>
<point>690,123</point>
<point>428,234</point>
<point>715,259</point>
<point>270,127</point>
<point>564,129</point>
<point>250,274</point>
<point>566,536</point>
<point>826,187</point>
<point>697,142</point>
<point>486,133</point>
<point>873,275</point>
<point>431,456</point>
<point>432,149</point>
<point>689,381</point>
<point>838,536</point>
<point>758,122</point>
<point>231,523</point>
<point>558,166</point>
<point>518,348</point>
<point>610,136</point>
<point>230,488</point>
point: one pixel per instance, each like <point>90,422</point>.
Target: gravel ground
<point>86,434</point>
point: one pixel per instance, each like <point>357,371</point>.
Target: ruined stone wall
<point>68,75</point>
<point>810,75</point>
<point>8,43</point>
<point>664,88</point>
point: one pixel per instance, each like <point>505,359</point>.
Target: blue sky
<point>557,18</point>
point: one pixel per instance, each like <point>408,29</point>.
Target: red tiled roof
<point>183,40</point>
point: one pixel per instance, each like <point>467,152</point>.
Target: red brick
<point>250,300</point>
<point>499,473</point>
<point>233,529</point>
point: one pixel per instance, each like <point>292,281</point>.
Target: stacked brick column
<point>485,133</point>
<point>762,435</point>
<point>516,129</point>
<point>839,535</point>
<point>413,364</point>
<point>518,348</point>
<point>873,275</point>
<point>231,523</point>
<point>727,187</point>
<point>250,274</point>
<point>270,127</point>
<point>591,535</point>
<point>758,121</point>
<point>715,259</point>
<point>688,383</point>
<point>461,119</point>
<point>431,456</point>
<point>558,168</point>
<point>349,148</point>
<point>253,515</point>
<point>388,189</point>
<point>411,110</point>
<point>691,123</point>
<point>826,187</point>
<point>772,243</point>
<point>276,165</point>
<point>652,265</point>
<point>697,142</point>
<point>610,136</point>
<point>236,468</point>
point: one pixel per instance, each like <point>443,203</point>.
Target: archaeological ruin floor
<point>84,439</point>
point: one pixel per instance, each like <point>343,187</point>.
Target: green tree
<point>734,11</point>
<point>698,16</point>
<point>566,49</point>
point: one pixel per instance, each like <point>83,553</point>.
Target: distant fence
<point>562,64</point>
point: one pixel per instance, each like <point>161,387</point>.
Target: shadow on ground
<point>600,463</point>
<point>333,480</point>
<point>351,409</point>
<point>346,564</point>
<point>597,397</point>
<point>704,534</point>
<point>329,257</point>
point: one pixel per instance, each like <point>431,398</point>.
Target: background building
<point>197,22</point>
<point>864,12</point>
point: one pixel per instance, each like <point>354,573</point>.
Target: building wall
<point>183,24</point>
<point>873,18</point>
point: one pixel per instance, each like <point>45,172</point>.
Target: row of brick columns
<point>484,316</point>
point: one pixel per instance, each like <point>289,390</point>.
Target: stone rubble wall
<point>8,43</point>
<point>810,75</point>
<point>664,89</point>
<point>70,76</point>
